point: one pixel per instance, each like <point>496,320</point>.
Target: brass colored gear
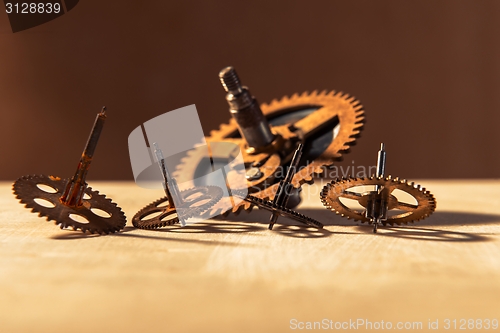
<point>160,213</point>
<point>309,118</point>
<point>333,192</point>
<point>42,194</point>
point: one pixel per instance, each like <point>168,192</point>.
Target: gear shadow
<point>415,230</point>
<point>284,226</point>
<point>215,227</point>
<point>126,233</point>
<point>424,234</point>
<point>439,218</point>
<point>258,221</point>
<point>331,219</point>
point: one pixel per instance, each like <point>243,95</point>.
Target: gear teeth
<point>26,190</point>
<point>156,222</point>
<point>268,205</point>
<point>330,194</point>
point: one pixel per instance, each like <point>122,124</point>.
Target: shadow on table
<point>258,220</point>
<point>239,225</point>
<point>436,219</point>
<point>151,235</point>
<point>284,226</point>
<point>424,234</point>
<point>291,228</point>
<point>414,230</point>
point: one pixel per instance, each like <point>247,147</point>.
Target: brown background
<point>427,73</point>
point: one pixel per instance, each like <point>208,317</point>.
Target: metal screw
<point>245,110</point>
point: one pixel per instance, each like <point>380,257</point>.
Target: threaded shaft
<point>230,80</point>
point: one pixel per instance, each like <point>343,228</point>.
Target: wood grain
<point>234,275</point>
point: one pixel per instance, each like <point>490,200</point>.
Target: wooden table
<point>237,276</point>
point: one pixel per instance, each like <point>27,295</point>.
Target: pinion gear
<point>283,211</point>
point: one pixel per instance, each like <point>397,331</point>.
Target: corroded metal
<point>70,202</point>
<point>379,203</point>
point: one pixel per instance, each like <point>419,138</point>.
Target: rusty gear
<point>283,211</point>
<point>333,192</point>
<point>164,214</point>
<point>331,109</point>
<point>43,195</point>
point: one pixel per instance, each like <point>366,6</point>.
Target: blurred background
<point>427,73</point>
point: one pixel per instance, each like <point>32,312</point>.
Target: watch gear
<point>377,205</point>
<point>42,194</point>
<point>281,210</point>
<point>161,213</point>
<point>327,123</point>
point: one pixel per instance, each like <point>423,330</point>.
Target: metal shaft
<point>169,183</point>
<point>377,209</point>
<point>381,161</point>
<point>245,110</point>
<point>285,187</point>
<point>75,188</point>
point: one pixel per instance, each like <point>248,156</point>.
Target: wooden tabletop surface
<point>235,275</point>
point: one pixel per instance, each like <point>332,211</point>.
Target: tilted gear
<point>332,195</point>
<point>379,202</point>
<point>327,123</point>
<point>70,202</point>
<point>101,214</point>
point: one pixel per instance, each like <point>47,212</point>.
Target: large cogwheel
<point>418,203</point>
<point>327,123</point>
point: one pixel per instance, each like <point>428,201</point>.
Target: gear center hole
<point>44,203</point>
<point>46,188</point>
<point>100,213</point>
<point>151,216</point>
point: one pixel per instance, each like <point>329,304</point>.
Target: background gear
<point>328,123</point>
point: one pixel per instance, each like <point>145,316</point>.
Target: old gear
<point>101,214</point>
<point>283,211</point>
<point>161,213</point>
<point>323,112</point>
<point>381,199</point>
<point>70,202</point>
<point>334,191</point>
